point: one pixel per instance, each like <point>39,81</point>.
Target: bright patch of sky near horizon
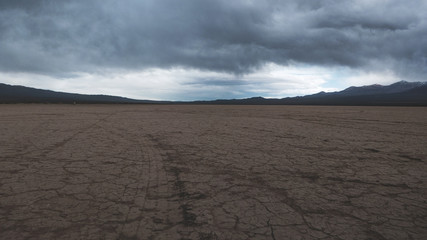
<point>180,84</point>
<point>190,49</point>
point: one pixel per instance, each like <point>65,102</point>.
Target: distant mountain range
<point>401,93</point>
<point>398,94</point>
<point>21,94</point>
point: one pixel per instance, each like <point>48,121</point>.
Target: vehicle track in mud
<point>212,172</point>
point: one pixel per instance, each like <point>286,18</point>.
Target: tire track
<point>152,210</point>
<point>61,143</point>
<point>157,207</point>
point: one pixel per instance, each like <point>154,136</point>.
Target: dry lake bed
<point>212,172</point>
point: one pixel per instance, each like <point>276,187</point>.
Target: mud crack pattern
<point>212,172</point>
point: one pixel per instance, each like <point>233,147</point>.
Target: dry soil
<point>212,172</point>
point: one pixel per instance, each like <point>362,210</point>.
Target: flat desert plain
<point>212,172</point>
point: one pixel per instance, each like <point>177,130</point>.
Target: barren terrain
<point>212,172</point>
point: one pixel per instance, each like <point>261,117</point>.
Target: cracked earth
<point>212,172</point>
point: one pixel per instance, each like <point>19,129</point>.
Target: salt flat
<point>212,172</point>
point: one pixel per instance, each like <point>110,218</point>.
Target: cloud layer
<point>61,37</point>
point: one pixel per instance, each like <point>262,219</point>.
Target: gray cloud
<point>59,37</point>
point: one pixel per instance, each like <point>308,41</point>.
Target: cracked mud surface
<point>212,172</point>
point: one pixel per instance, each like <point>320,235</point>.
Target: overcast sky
<point>195,49</point>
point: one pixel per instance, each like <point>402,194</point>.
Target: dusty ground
<point>212,172</point>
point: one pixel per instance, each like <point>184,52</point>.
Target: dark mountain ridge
<point>397,94</point>
<point>21,94</point>
<point>401,93</point>
<point>380,89</point>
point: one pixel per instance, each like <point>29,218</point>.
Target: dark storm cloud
<point>51,37</point>
<point>23,4</point>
